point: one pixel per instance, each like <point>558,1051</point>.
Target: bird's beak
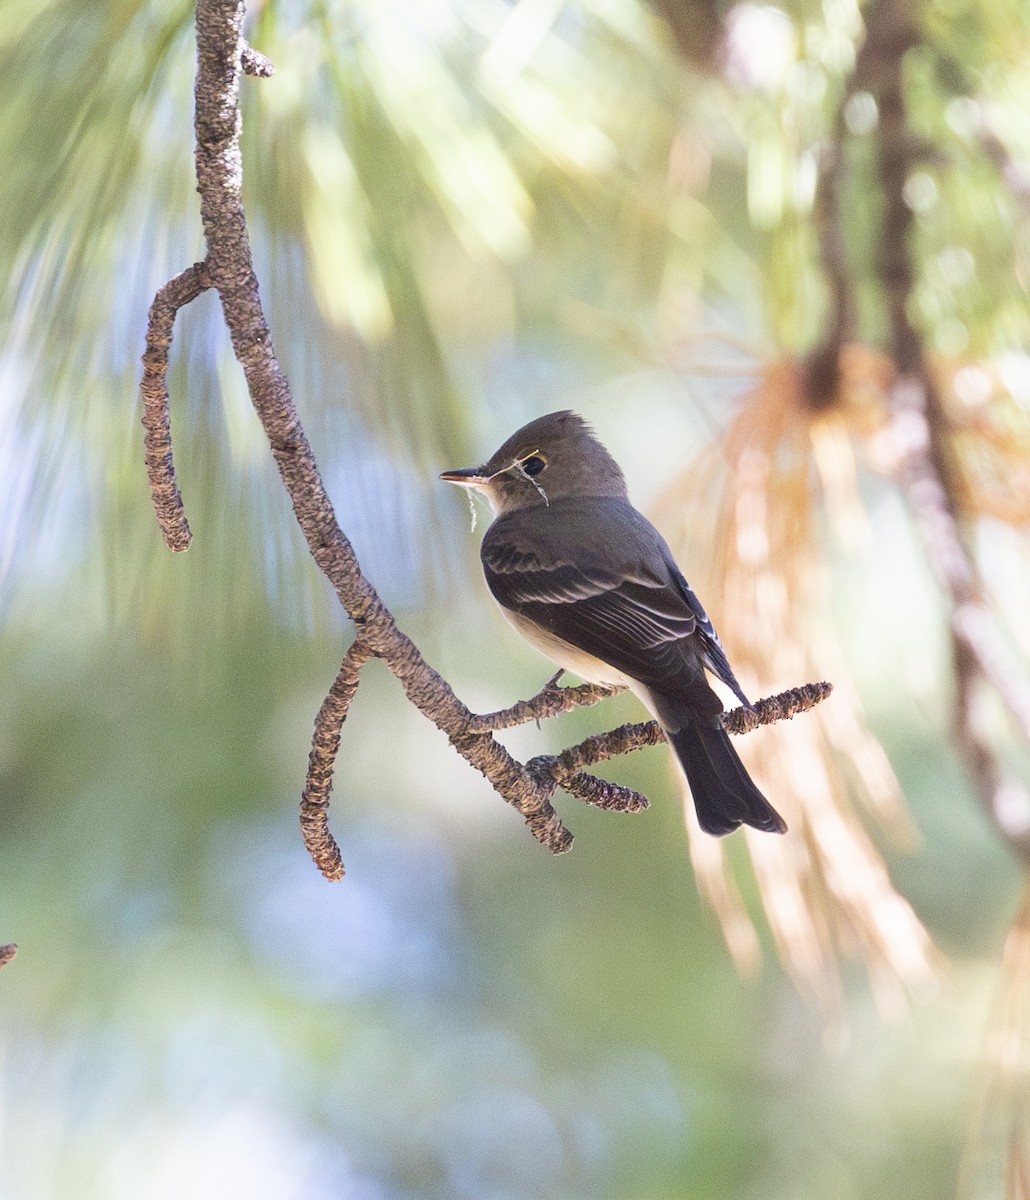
<point>469,477</point>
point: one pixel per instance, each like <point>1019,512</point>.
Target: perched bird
<point>592,584</point>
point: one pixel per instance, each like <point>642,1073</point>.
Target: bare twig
<point>256,64</point>
<point>228,268</point>
<point>780,707</point>
<point>603,746</point>
<point>545,773</point>
<point>602,793</point>
<point>157,441</point>
<point>550,702</point>
<point>325,745</point>
<point>566,769</point>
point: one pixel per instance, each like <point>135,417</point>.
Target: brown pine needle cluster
<point>748,514</point>
<point>786,468</point>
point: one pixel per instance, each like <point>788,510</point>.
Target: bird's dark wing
<point>607,591</point>
<point>712,652</point>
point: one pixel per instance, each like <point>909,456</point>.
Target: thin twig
<point>602,793</point>
<point>325,745</point>
<point>780,707</point>
<point>566,769</point>
<point>255,63</point>
<point>603,746</point>
<point>550,702</point>
<point>157,440</point>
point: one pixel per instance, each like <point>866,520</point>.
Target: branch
<point>550,702</point>
<point>228,267</point>
<point>7,953</point>
<point>546,772</point>
<point>314,804</point>
<point>254,63</point>
<point>822,369</point>
<point>564,768</point>
<point>157,441</point>
<point>922,428</point>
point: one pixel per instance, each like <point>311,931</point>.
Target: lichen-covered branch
<point>325,745</point>
<point>222,57</point>
<point>550,702</point>
<point>543,774</point>
<point>564,768</point>
<point>256,64</point>
<point>780,707</point>
<point>157,440</point>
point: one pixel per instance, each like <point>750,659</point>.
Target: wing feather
<point>626,609</point>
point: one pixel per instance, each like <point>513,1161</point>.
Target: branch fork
<point>528,787</point>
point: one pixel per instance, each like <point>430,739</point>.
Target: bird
<point>589,582</point>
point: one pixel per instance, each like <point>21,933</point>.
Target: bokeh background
<point>466,213</point>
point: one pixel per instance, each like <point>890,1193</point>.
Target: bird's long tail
<point>724,794</point>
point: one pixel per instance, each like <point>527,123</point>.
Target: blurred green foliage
<point>194,1008</point>
<point>464,213</point>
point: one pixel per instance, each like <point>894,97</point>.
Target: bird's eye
<point>533,465</point>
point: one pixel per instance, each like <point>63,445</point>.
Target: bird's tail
<point>724,794</point>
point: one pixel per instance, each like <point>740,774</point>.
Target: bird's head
<point>553,458</point>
